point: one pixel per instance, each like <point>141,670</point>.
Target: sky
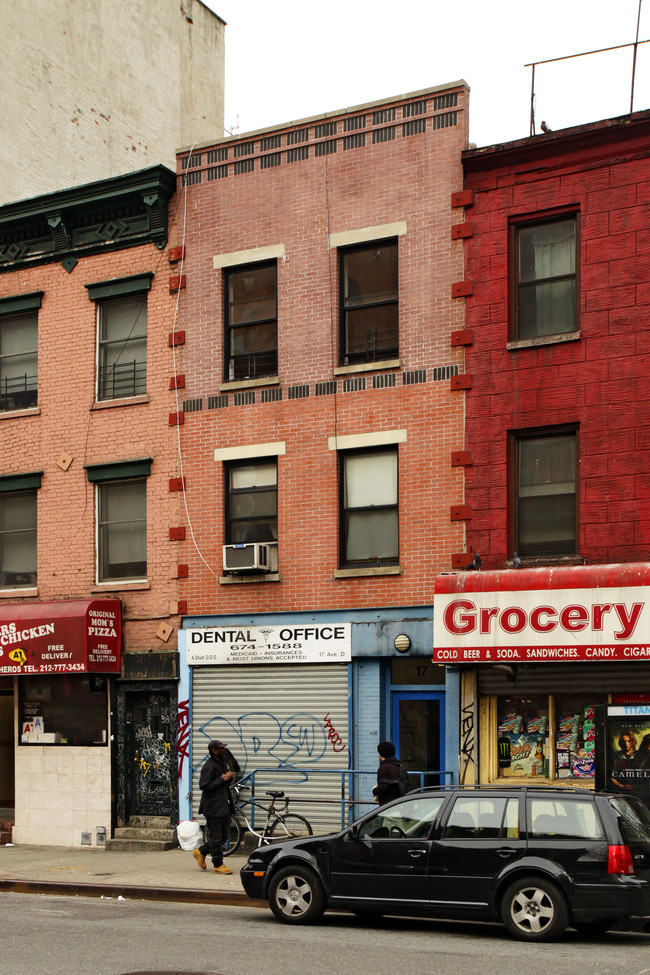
<point>290,59</point>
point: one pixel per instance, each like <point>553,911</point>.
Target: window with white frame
<point>369,528</point>
<point>19,351</point>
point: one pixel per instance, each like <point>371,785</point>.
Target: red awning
<point>80,636</point>
<point>588,612</point>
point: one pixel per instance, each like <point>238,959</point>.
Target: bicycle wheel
<point>289,826</point>
<point>234,836</point>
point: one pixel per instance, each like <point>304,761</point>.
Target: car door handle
<point>416,853</point>
<point>506,851</point>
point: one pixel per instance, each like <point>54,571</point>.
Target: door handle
<point>416,853</point>
<point>506,851</point>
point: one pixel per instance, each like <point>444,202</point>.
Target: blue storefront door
<point>418,731</point>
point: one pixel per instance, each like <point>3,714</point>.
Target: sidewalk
<point>169,875</point>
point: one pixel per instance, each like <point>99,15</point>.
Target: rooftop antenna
<point>634,44</point>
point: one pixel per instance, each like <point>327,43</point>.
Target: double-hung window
<point>251,321</point>
<point>252,501</point>
<point>18,530</point>
<point>544,287</point>
<point>121,336</point>
<point>369,508</point>
<point>121,502</point>
<point>369,302</point>
<point>19,351</point>
<point>545,493</point>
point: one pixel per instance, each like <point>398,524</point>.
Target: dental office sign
<point>543,615</point>
<point>218,645</point>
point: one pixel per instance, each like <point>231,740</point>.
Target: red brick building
<point>318,366</point>
<point>557,429</point>
<point>88,620</point>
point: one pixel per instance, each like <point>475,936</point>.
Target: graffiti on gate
<point>183,735</point>
<point>467,740</point>
<point>259,739</point>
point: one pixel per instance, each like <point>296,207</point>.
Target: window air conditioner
<point>247,557</point>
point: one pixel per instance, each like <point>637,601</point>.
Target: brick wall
<point>408,179</point>
<point>599,381</point>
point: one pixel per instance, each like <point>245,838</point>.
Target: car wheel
<point>534,909</point>
<point>296,895</point>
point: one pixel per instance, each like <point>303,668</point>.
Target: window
<point>73,709</point>
<point>410,819</point>
<point>252,501</point>
<point>251,321</point>
<point>369,508</point>
<point>545,278</point>
<point>121,336</point>
<point>484,818</point>
<point>17,539</point>
<point>369,303</point>
<point>19,351</point>
<point>121,519</point>
<point>563,819</point>
<point>545,502</point>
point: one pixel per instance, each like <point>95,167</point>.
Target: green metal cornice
<point>124,211</point>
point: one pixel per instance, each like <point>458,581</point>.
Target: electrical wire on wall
<point>331,298</point>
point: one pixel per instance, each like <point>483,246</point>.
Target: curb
<point>131,892</point>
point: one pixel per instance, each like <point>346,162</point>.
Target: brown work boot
<point>222,869</point>
<point>200,859</point>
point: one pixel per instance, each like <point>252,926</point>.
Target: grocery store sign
<point>218,645</point>
<point>505,617</point>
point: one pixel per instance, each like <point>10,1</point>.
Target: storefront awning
<point>80,636</point>
<point>549,615</point>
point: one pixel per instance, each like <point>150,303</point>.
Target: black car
<point>538,859</point>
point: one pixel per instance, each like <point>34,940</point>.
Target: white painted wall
<point>96,88</point>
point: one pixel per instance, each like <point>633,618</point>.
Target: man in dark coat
<point>387,774</point>
<point>214,783</point>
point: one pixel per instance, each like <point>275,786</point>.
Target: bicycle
<point>280,823</point>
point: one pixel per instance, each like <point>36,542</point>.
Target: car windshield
<point>634,818</point>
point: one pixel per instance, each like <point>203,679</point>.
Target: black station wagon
<point>538,859</point>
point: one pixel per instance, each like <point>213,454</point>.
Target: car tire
<point>533,908</point>
<point>296,895</point>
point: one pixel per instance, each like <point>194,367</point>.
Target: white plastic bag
<point>190,834</point>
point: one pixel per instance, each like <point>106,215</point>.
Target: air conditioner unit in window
<point>247,557</point>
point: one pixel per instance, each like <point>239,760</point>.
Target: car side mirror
<point>353,832</point>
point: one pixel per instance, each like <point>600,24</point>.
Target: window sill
<point>542,561</point>
<point>384,570</point>
<point>367,367</point>
<point>29,411</point>
<point>13,593</point>
<point>248,579</point>
<point>108,404</point>
<point>249,383</point>
<point>118,586</point>
<point>543,340</point>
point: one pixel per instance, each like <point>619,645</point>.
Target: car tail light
<point>620,860</point>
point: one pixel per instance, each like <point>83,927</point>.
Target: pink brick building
<point>320,415</point>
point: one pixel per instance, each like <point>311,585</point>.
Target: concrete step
<point>141,845</point>
<point>144,833</point>
<point>153,822</point>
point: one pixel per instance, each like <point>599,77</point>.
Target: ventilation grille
<point>192,405</point>
<point>354,141</point>
<point>444,372</point>
<point>356,122</point>
<point>444,121</point>
<point>414,108</point>
<point>414,376</point>
<point>244,166</point>
<point>271,142</point>
<point>325,129</point>
<point>294,155</point>
<point>383,135</point>
<point>325,389</point>
<point>415,127</point>
<point>296,136</point>
<point>244,399</point>
<point>217,155</point>
<point>385,115</point>
<point>217,172</point>
<point>383,382</point>
<point>189,162</point>
<point>243,149</point>
<point>354,385</point>
<point>217,402</point>
<point>445,101</point>
<point>299,392</point>
<point>325,148</point>
<point>273,159</point>
<point>191,179</point>
<point>271,395</point>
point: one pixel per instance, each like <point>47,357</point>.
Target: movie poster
<point>628,749</point>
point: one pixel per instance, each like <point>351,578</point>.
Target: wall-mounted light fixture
<point>402,643</point>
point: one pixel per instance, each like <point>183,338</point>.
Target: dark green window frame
<point>121,336</point>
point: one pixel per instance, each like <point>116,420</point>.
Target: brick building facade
<point>86,459</point>
<point>320,414</point>
<point>557,429</point>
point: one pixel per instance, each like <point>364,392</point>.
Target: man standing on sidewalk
<point>214,783</point>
